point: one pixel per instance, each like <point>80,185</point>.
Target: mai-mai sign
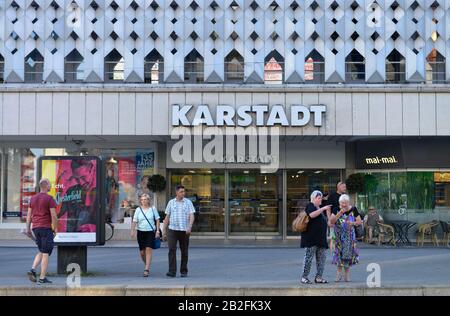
<point>382,160</point>
<point>379,155</point>
<point>247,115</point>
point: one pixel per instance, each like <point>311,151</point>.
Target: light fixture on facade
<point>300,171</point>
<point>191,171</point>
<point>246,172</point>
<point>434,36</point>
<point>318,171</point>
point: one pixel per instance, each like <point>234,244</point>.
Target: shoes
<point>305,281</point>
<point>183,275</point>
<point>45,281</point>
<point>32,275</point>
<point>170,275</point>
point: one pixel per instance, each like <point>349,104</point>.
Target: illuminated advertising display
<point>75,186</point>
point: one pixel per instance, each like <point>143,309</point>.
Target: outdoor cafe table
<point>401,230</point>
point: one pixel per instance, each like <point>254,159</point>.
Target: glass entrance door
<point>206,190</point>
<point>255,202</point>
<point>300,185</point>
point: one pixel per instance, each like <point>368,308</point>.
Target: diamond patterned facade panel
<point>293,33</point>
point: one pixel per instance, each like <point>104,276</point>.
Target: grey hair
<point>44,180</point>
<point>344,198</point>
<point>315,194</point>
<point>146,196</point>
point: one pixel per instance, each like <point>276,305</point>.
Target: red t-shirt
<point>40,205</point>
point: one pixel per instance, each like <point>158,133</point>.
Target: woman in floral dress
<point>345,253</point>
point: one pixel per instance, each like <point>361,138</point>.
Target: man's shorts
<point>44,239</point>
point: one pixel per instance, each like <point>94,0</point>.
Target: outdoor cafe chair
<point>446,229</point>
<point>427,229</point>
<point>389,234</point>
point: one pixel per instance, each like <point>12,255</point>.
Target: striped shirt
<point>178,212</point>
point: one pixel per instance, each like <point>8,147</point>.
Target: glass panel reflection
<point>255,202</point>
<point>206,190</point>
<point>301,183</point>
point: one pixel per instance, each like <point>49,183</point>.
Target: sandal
<point>321,281</point>
<point>146,273</point>
<point>305,281</point>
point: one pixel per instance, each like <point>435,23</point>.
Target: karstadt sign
<point>248,115</point>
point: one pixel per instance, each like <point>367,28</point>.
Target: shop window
<point>127,173</point>
<point>73,67</point>
<point>419,197</point>
<point>234,67</point>
<point>395,67</point>
<point>154,68</point>
<point>206,190</point>
<point>2,69</point>
<point>34,67</point>
<point>314,68</point>
<point>442,190</point>
<point>193,68</point>
<point>300,185</point>
<point>274,68</point>
<point>114,67</point>
<point>435,67</point>
<point>254,202</point>
<point>19,171</point>
<point>355,68</point>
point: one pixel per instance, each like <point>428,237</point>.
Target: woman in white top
<point>145,227</point>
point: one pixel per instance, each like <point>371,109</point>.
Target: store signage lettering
<point>383,160</point>
<point>247,115</point>
<point>378,155</point>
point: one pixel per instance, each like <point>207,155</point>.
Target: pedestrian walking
<point>145,227</point>
<point>43,223</point>
<point>177,229</point>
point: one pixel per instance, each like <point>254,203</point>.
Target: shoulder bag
<point>300,223</point>
<point>157,241</point>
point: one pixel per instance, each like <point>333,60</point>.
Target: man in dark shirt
<point>333,199</point>
<point>42,214</point>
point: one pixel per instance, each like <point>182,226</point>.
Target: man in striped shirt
<point>178,226</point>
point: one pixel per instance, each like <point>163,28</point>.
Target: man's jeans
<point>174,236</point>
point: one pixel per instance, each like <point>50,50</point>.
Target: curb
<point>214,291</point>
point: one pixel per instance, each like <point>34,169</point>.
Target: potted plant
<point>355,183</point>
<point>156,184</point>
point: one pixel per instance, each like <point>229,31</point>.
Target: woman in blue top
<point>145,227</point>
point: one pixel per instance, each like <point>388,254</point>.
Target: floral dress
<point>345,253</point>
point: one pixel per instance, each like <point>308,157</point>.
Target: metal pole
<point>226,206</point>
<point>284,206</point>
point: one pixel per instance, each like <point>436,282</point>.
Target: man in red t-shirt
<point>42,214</point>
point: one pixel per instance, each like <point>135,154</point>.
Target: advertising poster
<point>144,164</point>
<point>74,188</point>
<point>127,175</point>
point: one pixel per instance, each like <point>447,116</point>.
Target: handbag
<point>300,223</point>
<point>359,230</point>
<point>157,241</point>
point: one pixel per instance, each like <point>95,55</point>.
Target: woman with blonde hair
<point>145,227</point>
